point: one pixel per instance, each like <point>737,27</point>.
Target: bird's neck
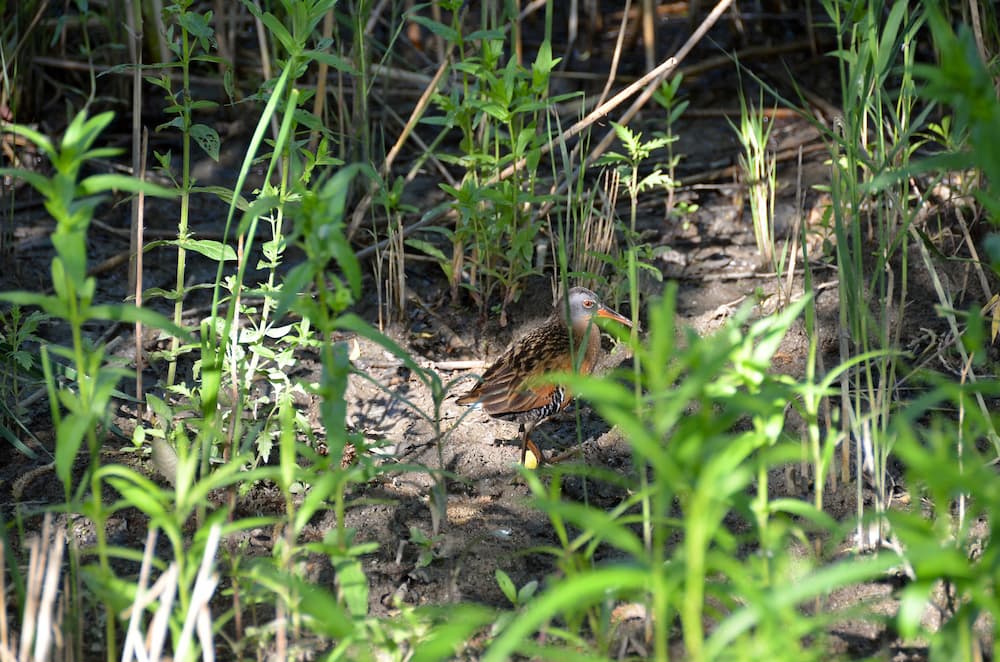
<point>585,331</point>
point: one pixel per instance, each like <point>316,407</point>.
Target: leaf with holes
<point>207,138</point>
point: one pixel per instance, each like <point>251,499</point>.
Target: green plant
<point>872,212</point>
<point>426,544</point>
<point>307,481</point>
<point>498,111</point>
<point>759,172</point>
<point>705,416</point>
<point>18,367</point>
<point>191,450</point>
<point>391,289</point>
<point>191,39</point>
<point>230,363</point>
<point>945,544</point>
<point>942,435</point>
<point>627,164</point>
<point>79,411</point>
<point>668,96</point>
<point>518,597</point>
<point>965,83</point>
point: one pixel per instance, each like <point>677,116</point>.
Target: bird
<point>513,388</point>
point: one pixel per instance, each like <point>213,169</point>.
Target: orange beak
<point>607,313</point>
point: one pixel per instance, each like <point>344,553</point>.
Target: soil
<point>489,522</point>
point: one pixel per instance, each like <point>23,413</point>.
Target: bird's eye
<point>589,303</point>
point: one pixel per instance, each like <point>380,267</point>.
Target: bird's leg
<point>527,443</point>
<point>522,430</point>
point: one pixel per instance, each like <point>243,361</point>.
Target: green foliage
<point>78,410</point>
<point>873,207</point>
<point>948,552</point>
<point>71,203</point>
<point>668,96</point>
<point>18,368</point>
<point>637,151</point>
<point>759,170</point>
<point>426,545</point>
<point>518,596</point>
<point>499,114</point>
<point>190,38</point>
<point>962,81</point>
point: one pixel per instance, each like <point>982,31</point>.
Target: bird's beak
<point>607,313</point>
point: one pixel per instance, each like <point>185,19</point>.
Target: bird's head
<point>584,306</point>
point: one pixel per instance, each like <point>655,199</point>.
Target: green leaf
<point>210,248</point>
<point>321,490</point>
<point>142,493</point>
<point>327,616</point>
<point>913,602</point>
<point>598,524</point>
<point>100,153</point>
<point>154,292</point>
<point>69,269</point>
<point>887,50</point>
<point>14,441</point>
<point>676,113</point>
<point>352,584</point>
<point>448,637</point>
<point>542,68</point>
<point>506,586</point>
<point>197,25</point>
<point>39,140</point>
<point>123,312</point>
<point>69,436</point>
<point>116,593</point>
<point>207,138</point>
<point>294,283</point>
<point>334,193</point>
<point>333,61</point>
<point>37,181</point>
<point>486,35</point>
<point>575,592</point>
<point>203,104</point>
<point>177,122</point>
<point>101,183</point>
<point>527,591</point>
<point>821,582</point>
<point>446,32</point>
<point>625,135</point>
<point>804,510</point>
<point>224,194</point>
<point>162,81</point>
<point>433,251</point>
<point>496,111</point>
<point>278,30</point>
<point>81,134</point>
<point>50,304</point>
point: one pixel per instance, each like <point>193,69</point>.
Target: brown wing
<point>514,384</point>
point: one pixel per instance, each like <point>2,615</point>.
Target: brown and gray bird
<point>514,388</point>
